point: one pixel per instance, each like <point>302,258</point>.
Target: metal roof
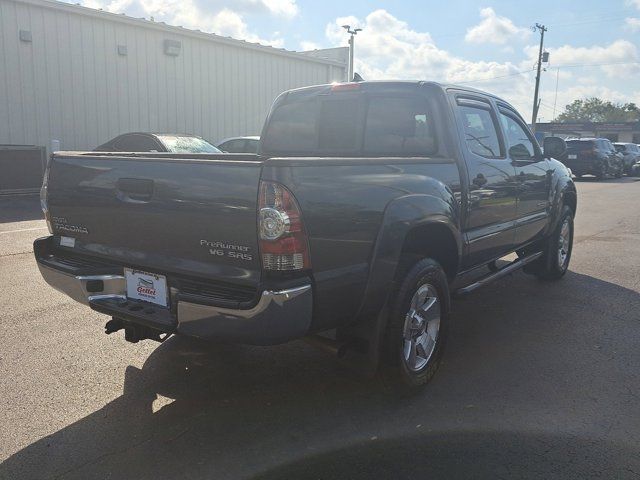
<point>177,30</point>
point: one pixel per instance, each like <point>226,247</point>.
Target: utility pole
<point>353,33</point>
<point>536,102</point>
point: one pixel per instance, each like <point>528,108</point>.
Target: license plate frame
<point>146,286</point>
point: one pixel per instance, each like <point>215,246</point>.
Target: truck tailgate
<point>192,216</point>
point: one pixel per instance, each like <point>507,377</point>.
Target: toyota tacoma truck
<point>360,216</point>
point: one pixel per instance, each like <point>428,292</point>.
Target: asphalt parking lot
<point>539,381</point>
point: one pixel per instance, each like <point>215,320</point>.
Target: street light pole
<point>353,33</point>
<point>536,103</point>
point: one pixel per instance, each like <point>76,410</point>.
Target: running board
<point>506,270</point>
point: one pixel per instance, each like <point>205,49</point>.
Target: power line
<point>600,18</point>
<point>576,65</point>
<point>586,22</point>
<point>552,66</point>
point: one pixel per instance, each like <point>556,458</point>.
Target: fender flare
<point>562,185</point>
<point>402,215</point>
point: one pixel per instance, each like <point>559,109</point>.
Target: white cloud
<point>495,29</point>
<point>617,52</point>
<point>306,46</point>
<point>633,3</point>
<point>222,17</point>
<point>388,48</point>
<point>632,24</point>
<point>286,8</point>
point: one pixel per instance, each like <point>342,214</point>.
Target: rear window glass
<point>399,126</point>
<point>338,124</point>
<point>292,128</point>
<point>579,144</point>
<point>349,124</point>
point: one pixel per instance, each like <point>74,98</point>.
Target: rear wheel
<point>619,171</point>
<point>417,325</point>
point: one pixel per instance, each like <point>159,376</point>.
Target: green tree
<point>596,110</point>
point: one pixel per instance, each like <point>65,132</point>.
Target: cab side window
<point>480,131</point>
<point>519,144</point>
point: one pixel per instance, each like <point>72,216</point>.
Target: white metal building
<point>82,76</point>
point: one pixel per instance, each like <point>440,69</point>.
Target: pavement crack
<point>16,253</point>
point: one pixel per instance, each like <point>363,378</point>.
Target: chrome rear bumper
<point>75,286</point>
<point>278,316</point>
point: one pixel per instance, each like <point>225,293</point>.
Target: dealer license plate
<point>146,286</point>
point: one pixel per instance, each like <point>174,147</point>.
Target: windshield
<point>186,144</point>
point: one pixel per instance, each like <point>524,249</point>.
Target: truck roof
<point>373,84</point>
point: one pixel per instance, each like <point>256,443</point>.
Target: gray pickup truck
<point>359,216</point>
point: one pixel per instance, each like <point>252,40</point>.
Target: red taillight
<point>283,241</point>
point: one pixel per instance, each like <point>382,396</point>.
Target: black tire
<point>425,274</point>
<point>549,266</point>
<point>601,173</point>
<point>619,172</point>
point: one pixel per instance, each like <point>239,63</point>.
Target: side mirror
<point>553,147</point>
<point>519,152</point>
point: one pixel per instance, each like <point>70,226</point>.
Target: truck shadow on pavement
<point>510,399</point>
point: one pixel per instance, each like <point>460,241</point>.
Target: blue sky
<point>486,44</point>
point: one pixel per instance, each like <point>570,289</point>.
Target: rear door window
<point>480,131</point>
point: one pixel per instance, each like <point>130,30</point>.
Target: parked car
<point>368,204</point>
<point>157,142</point>
<point>239,144</point>
<point>595,156</point>
<point>630,153</point>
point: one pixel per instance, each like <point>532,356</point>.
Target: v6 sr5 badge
<point>229,250</point>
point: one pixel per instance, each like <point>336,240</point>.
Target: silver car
<point>239,144</point>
